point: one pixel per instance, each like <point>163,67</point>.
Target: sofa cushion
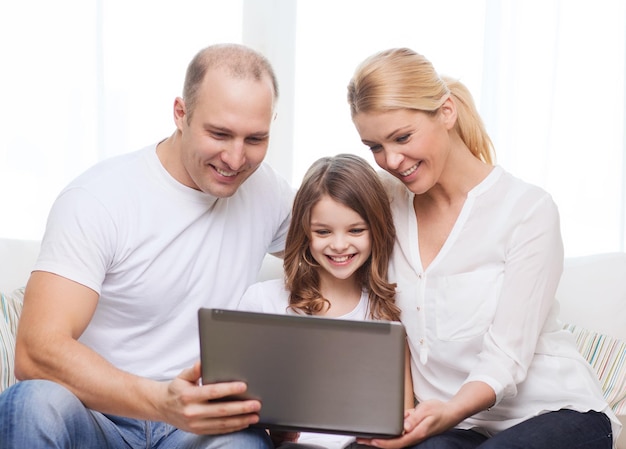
<point>592,293</point>
<point>607,356</point>
<point>10,308</point>
<point>17,258</point>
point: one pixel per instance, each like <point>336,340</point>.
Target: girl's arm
<point>409,398</point>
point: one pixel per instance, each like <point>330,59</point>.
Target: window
<point>83,80</point>
<point>547,77</point>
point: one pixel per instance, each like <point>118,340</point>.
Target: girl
<point>336,256</point>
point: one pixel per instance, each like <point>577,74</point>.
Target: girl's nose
<point>339,243</point>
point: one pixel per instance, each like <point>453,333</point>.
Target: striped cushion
<point>10,308</point>
<point>607,356</point>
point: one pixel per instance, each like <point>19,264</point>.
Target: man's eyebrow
<point>260,135</point>
<point>221,129</point>
<point>217,128</point>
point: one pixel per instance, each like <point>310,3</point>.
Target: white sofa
<point>592,295</point>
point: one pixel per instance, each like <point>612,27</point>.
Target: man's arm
<point>57,311</point>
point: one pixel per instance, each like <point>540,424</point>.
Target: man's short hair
<point>238,60</point>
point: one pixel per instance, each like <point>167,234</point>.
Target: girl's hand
<point>279,437</point>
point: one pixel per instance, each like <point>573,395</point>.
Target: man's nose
<point>234,154</point>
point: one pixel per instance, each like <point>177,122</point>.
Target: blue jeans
<point>40,414</point>
<point>565,429</point>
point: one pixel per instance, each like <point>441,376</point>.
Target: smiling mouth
<point>222,172</point>
<point>341,259</point>
<point>410,170</point>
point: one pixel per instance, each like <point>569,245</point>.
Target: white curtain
<point>83,80</point>
<point>553,97</point>
<point>547,76</point>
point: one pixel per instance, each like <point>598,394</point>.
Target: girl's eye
<point>357,231</point>
<point>321,232</point>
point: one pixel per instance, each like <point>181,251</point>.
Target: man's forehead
<point>223,75</point>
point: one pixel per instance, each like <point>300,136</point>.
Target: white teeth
<point>409,171</point>
<point>340,259</point>
<point>225,173</point>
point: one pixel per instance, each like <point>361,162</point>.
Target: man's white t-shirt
<point>156,251</point>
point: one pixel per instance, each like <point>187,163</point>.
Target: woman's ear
<point>448,113</point>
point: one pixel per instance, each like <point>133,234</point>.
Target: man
<point>133,247</point>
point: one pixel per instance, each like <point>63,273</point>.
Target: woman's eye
<point>403,139</point>
<point>375,148</point>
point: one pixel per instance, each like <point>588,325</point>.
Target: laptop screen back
<point>310,373</point>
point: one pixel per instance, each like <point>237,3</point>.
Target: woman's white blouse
<point>485,309</point>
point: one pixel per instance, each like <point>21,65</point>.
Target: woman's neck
<point>438,209</point>
<point>463,172</point>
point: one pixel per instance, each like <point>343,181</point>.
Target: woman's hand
<point>433,417</point>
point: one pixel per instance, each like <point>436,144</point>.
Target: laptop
<point>311,374</point>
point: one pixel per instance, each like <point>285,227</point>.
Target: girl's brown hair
<point>353,182</point>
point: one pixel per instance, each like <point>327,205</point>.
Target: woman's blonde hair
<point>403,79</point>
<point>353,182</point>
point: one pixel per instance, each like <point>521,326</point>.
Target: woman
<point>478,259</point>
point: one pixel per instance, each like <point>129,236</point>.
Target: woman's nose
<point>393,159</point>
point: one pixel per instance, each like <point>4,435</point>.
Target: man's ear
<point>448,113</point>
<point>180,112</point>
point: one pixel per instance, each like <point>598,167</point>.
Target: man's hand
<point>192,407</point>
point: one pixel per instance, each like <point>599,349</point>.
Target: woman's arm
<point>532,270</point>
